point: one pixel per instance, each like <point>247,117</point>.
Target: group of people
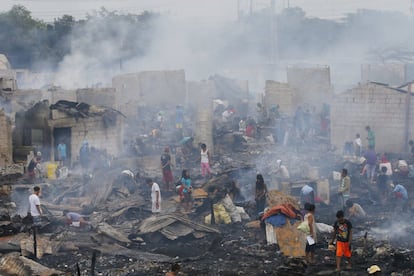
<point>184,188</point>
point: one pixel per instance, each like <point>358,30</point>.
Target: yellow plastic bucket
<point>51,170</point>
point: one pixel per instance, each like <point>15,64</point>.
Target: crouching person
<point>74,219</point>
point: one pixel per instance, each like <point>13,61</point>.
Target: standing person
<point>343,235</point>
<point>167,175</point>
<point>370,137</point>
<point>205,161</point>
<point>371,163</point>
<point>61,151</point>
<point>34,204</point>
<point>282,171</point>
<point>32,167</point>
<point>358,145</point>
<point>84,155</point>
<point>187,191</point>
<point>155,196</point>
<point>411,144</point>
<point>160,119</point>
<point>311,237</point>
<point>260,195</point>
<point>179,120</point>
<point>345,186</point>
<point>382,183</point>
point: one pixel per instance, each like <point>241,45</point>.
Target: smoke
<point>105,46</point>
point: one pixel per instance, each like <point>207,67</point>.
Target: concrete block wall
<point>93,130</point>
<point>282,94</point>
<point>6,150</point>
<point>60,94</point>
<point>313,84</point>
<point>380,107</point>
<point>149,88</point>
<point>200,97</point>
<point>96,96</point>
<point>389,73</point>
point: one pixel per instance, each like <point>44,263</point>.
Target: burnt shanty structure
<point>43,126</point>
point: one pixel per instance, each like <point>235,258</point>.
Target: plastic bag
<point>304,227</point>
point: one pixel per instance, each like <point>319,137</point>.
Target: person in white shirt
<point>358,145</point>
<point>35,209</point>
<point>282,171</point>
<point>155,196</point>
<point>355,211</point>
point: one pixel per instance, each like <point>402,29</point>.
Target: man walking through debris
<point>343,235</point>
<point>34,205</point>
<point>345,187</point>
<point>261,191</point>
<point>167,175</point>
<point>371,163</point>
<point>155,196</point>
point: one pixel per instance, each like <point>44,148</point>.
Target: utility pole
<point>273,33</point>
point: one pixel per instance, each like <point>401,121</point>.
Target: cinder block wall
<point>313,85</point>
<point>380,107</point>
<point>282,94</point>
<point>93,130</point>
<point>200,96</point>
<point>6,153</point>
<point>150,88</point>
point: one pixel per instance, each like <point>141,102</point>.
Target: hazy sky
<point>199,9</point>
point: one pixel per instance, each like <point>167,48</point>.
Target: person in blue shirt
<point>187,189</point>
<point>61,151</point>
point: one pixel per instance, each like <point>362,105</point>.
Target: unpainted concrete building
<point>148,88</point>
<point>282,94</point>
<point>6,152</point>
<point>388,111</point>
<point>313,85</point>
<point>42,127</point>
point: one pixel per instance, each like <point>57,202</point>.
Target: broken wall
<point>380,107</point>
<point>8,80</point>
<point>389,73</point>
<point>96,96</point>
<point>62,94</point>
<point>6,149</point>
<point>148,88</point>
<point>313,85</point>
<point>282,94</point>
<point>200,97</point>
<point>28,97</point>
<point>108,138</point>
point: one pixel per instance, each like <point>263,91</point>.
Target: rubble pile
<point>222,232</point>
